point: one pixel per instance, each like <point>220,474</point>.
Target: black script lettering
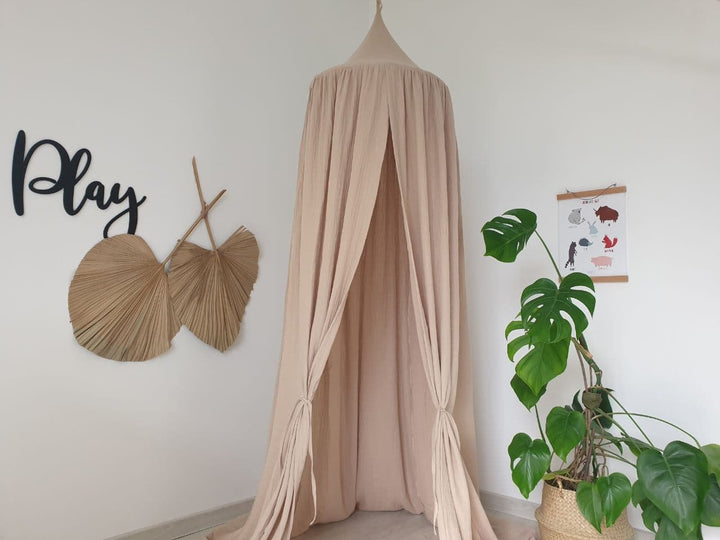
<point>72,171</point>
<point>131,210</point>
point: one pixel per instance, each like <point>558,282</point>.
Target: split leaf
<point>507,235</point>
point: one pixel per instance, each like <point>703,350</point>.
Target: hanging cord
<point>603,192</point>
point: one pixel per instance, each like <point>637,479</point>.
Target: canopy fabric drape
<point>373,406</point>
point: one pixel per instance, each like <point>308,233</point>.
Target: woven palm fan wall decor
<point>124,306</point>
<point>210,288</point>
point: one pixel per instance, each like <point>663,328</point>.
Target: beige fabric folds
<point>373,405</point>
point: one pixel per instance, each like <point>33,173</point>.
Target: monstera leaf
<point>651,514</point>
<point>506,236</point>
<point>712,453</point>
<point>667,530</point>
<point>542,363</point>
<point>565,428</point>
<point>517,343</point>
<point>526,396</point>
<point>711,508</point>
<point>544,304</point>
<point>676,480</point>
<point>616,492</point>
<point>529,460</point>
<point>606,498</point>
<point>606,407</point>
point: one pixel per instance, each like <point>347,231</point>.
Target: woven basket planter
<point>559,518</point>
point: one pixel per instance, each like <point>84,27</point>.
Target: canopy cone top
<point>379,46</point>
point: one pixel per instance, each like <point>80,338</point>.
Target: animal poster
<point>592,233</point>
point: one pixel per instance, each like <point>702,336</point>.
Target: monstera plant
<point>676,487</point>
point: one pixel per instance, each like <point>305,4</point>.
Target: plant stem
<point>596,468</point>
<point>605,434</point>
<point>537,417</point>
<point>552,259</point>
<point>591,460</point>
<point>582,348</point>
<point>605,444</point>
<point>604,467</point>
<point>697,443</point>
<point>619,458</point>
<point>582,368</point>
<point>568,478</point>
<point>632,419</point>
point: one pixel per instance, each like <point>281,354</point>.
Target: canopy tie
<point>378,5</point>
<point>305,403</point>
<point>440,431</point>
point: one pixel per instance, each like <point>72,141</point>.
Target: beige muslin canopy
<point>373,404</point>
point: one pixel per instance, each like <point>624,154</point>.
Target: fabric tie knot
<point>305,402</point>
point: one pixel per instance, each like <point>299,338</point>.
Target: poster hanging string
<point>614,184</point>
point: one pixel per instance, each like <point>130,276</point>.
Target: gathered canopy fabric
<point>373,406</point>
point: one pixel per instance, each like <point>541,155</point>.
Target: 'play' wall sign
<point>72,170</point>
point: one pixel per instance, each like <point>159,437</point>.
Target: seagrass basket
<point>559,518</point>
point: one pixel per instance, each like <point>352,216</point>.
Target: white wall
<point>91,448</point>
<point>556,94</point>
<point>548,94</point>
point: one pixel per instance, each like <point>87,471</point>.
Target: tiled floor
<point>374,526</point>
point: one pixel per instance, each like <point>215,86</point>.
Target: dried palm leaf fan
<point>119,299</point>
<point>210,288</point>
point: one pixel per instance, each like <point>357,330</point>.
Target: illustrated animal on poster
<point>124,306</point>
<point>602,261</point>
<point>592,232</point>
<point>572,251</point>
<point>575,217</point>
<point>605,213</point>
<point>608,243</point>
